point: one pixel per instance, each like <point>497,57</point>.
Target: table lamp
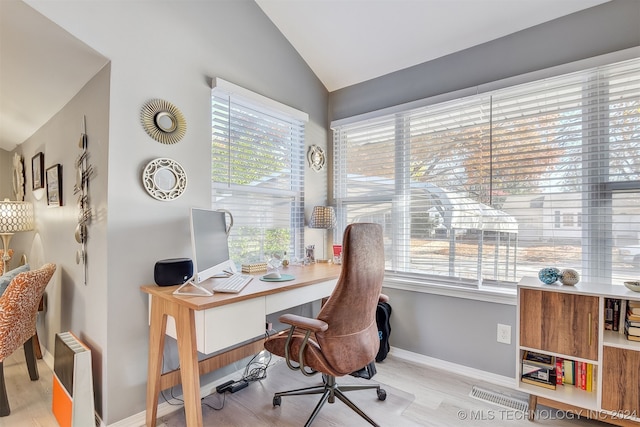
<point>323,217</point>
<point>14,217</point>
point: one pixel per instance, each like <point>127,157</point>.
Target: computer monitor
<point>210,248</point>
<point>209,244</point>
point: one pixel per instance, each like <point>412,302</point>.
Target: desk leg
<point>157,328</point>
<point>189,370</point>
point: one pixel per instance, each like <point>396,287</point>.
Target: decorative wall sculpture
<point>84,172</point>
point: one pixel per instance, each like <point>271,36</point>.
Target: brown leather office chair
<point>344,336</point>
<point>18,310</point>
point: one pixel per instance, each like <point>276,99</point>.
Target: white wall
<point>168,50</point>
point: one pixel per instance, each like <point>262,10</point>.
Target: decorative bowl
<point>569,276</point>
<point>633,285</point>
<point>549,275</point>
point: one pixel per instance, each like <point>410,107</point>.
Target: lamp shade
<point>16,216</point>
<point>323,217</point>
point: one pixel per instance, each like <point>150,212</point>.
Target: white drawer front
<point>225,326</point>
<point>231,324</point>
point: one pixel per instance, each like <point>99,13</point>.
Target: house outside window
<point>484,190</point>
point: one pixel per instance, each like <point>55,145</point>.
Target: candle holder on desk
<point>337,254</point>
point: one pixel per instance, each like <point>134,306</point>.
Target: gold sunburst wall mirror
<point>163,121</point>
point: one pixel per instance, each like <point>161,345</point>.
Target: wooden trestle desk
<point>230,325</point>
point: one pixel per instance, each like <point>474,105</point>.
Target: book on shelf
<point>634,307</point>
<point>633,317</point>
<point>608,314</point>
<point>631,324</point>
<point>552,371</point>
<point>539,367</point>
<point>623,315</point>
<point>567,371</point>
<point>539,358</point>
<point>539,373</point>
<point>616,314</point>
<point>612,314</point>
<point>631,330</point>
<point>632,337</point>
<point>527,380</point>
<point>582,375</point>
<point>589,378</point>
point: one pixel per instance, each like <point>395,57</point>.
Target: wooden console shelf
<point>567,322</point>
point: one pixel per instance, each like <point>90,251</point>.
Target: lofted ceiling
<point>344,42</point>
<point>350,41</point>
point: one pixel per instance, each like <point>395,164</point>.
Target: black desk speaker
<point>174,271</point>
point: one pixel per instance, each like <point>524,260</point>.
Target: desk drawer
<point>283,300</point>
<point>225,326</point>
<point>228,325</point>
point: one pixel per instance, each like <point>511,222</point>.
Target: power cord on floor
<point>254,371</point>
<point>170,392</point>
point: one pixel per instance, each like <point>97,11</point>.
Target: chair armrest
<point>313,325</point>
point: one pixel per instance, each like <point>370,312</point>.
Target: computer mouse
<point>272,275</point>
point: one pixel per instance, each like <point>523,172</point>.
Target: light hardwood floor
<point>429,397</point>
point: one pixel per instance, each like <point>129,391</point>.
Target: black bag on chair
<point>383,316</point>
<point>383,313</point>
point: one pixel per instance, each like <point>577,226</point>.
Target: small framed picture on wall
<point>37,171</point>
<point>54,185</point>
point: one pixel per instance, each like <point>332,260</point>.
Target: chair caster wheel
<point>277,400</point>
<point>382,394</point>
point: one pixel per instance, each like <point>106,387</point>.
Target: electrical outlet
<point>504,333</point>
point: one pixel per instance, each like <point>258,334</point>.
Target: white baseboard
<point>454,368</point>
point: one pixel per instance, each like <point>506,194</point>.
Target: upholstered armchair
<point>18,310</point>
<point>344,336</point>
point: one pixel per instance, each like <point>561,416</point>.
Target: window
<point>257,171</point>
<point>489,188</point>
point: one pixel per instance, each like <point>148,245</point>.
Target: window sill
<point>485,293</point>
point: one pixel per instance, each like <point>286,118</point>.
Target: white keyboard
<point>232,284</point>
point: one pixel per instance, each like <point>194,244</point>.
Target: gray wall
<point>601,29</point>
<point>72,305</point>
<point>167,50</point>
<point>459,330</point>
<point>456,330</point>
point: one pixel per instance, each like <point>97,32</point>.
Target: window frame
<point>292,146</point>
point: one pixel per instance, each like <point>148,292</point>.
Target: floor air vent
<point>501,399</point>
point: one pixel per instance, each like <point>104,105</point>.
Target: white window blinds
<point>492,187</point>
<point>258,172</point>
